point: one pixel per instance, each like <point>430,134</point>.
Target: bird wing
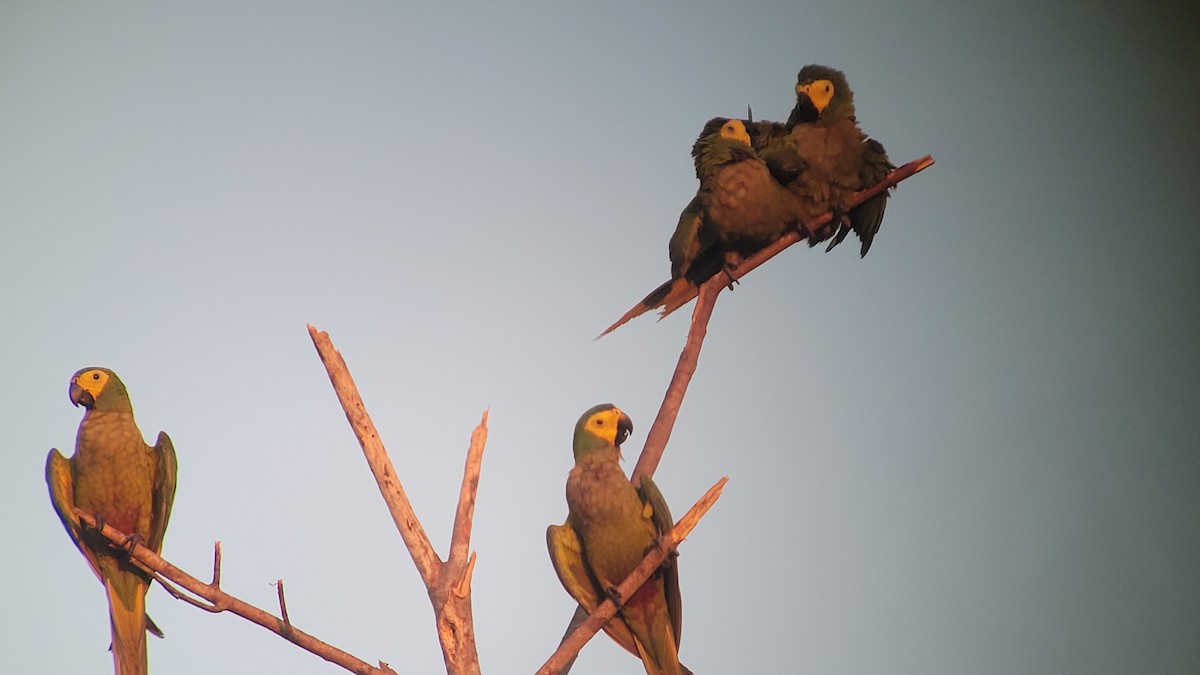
<point>660,516</point>
<point>61,481</point>
<point>566,554</point>
<point>164,490</point>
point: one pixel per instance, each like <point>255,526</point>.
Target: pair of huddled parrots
<point>760,179</point>
<point>120,481</point>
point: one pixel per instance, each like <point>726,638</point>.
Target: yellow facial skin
<point>612,425</point>
<point>735,130</point>
<point>87,387</point>
<point>820,92</point>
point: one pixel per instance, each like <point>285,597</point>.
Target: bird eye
<point>95,376</point>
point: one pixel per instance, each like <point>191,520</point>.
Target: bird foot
<point>99,522</point>
<point>732,260</point>
<point>133,540</point>
<point>669,558</point>
<point>613,594</point>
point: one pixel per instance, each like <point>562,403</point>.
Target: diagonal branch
<point>414,536</point>
<point>460,538</point>
<point>220,601</point>
<point>660,431</point>
<point>575,640</point>
<point>448,583</point>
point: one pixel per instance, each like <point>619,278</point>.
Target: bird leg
<point>732,260</point>
<point>133,540</point>
<point>669,558</point>
<point>613,594</point>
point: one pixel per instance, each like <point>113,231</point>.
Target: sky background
<point>975,451</point>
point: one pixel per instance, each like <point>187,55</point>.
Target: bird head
<point>99,389</point>
<point>601,426</point>
<point>721,140</point>
<point>822,91</point>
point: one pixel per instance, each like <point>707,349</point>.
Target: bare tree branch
<point>414,536</point>
<point>220,601</point>
<point>660,431</point>
<point>448,583</point>
<point>664,422</point>
<point>575,640</point>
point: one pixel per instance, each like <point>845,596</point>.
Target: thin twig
<point>220,601</point>
<point>287,623</point>
<point>216,581</point>
<point>573,642</point>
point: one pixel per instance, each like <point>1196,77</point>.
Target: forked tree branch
<point>575,639</point>
<point>449,582</point>
<point>219,601</point>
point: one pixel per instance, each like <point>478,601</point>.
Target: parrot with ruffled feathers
<point>823,157</point>
<point>118,479</point>
<point>611,525</point>
<point>738,209</point>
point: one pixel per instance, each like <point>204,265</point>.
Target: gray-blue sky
<point>974,451</point>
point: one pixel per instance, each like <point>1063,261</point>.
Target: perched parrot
<point>822,156</point>
<point>125,483</point>
<point>610,527</point>
<point>738,209</point>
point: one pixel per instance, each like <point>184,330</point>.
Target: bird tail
<point>671,295</point>
<point>127,616</point>
<point>663,657</point>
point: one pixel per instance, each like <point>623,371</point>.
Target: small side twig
<point>216,581</point>
<point>287,623</point>
<point>575,640</point>
<point>220,601</point>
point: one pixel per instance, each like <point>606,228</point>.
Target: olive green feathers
<point>610,527</point>
<point>822,156</point>
<point>760,179</point>
<point>738,209</point>
<point>117,478</point>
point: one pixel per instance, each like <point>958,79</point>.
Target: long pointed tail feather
<point>657,298</point>
<point>127,616</point>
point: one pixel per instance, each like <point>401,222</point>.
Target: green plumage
<point>738,209</point>
<point>122,482</point>
<point>610,527</point>
<point>822,156</point>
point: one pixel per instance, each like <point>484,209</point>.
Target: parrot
<point>823,157</point>
<point>125,483</point>
<point>739,208</point>
<point>610,526</point>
